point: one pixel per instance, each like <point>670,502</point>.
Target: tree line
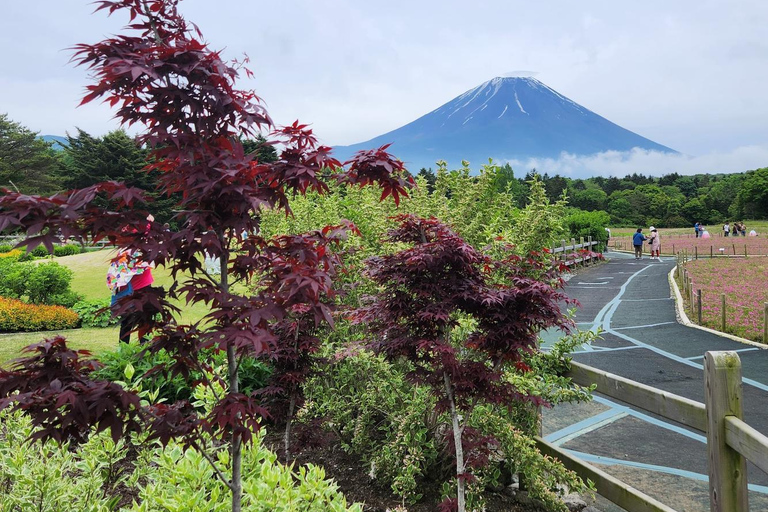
<point>672,200</point>
<point>33,166</point>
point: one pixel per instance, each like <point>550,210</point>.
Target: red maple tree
<point>426,289</point>
<point>164,78</point>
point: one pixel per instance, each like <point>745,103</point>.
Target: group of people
<point>738,228</point>
<point>638,239</point>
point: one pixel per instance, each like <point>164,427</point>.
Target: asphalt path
<point>631,301</point>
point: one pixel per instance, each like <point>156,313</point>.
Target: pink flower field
<point>744,281</point>
<point>673,243</point>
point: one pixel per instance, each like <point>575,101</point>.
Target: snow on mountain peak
<point>479,123</point>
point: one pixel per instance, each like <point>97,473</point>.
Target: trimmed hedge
<point>18,316</point>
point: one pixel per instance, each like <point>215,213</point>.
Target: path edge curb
<point>682,318</point>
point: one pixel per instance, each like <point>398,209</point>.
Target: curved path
<point>632,302</point>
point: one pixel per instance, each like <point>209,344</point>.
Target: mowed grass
<point>89,280</point>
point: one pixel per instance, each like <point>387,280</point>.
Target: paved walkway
<point>632,302</point>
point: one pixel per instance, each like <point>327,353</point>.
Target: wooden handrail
<point>607,486</point>
<point>747,441</point>
<point>674,407</point>
<point>730,441</point>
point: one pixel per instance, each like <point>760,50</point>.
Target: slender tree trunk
<point>288,421</point>
<point>457,429</point>
<point>236,448</point>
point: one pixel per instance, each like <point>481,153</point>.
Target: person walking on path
<point>655,244</point>
<point>126,274</point>
<point>697,228</point>
<point>726,229</point>
<point>637,240</point>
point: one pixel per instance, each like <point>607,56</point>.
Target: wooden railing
<point>730,441</point>
<point>568,254</point>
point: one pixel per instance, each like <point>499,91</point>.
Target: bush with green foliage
<point>135,476</point>
<point>67,250</point>
<point>46,283</point>
<point>588,224</point>
<point>95,313</point>
<point>380,415</point>
<point>253,373</point>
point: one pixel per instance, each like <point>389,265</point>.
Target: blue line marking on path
<point>609,461</point>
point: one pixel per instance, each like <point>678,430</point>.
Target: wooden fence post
<point>698,304</point>
<point>745,250</point>
<point>722,312</point>
<point>695,252</point>
<point>711,251</point>
<point>692,297</point>
<point>765,323</point>
<point>727,468</point>
<point>563,255</point>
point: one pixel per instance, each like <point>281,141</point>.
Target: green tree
<point>115,156</point>
<point>27,163</point>
<point>752,199</point>
<point>589,199</point>
<point>264,152</point>
<point>540,224</point>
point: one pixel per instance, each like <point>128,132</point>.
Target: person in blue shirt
<point>697,228</point>
<point>637,240</point>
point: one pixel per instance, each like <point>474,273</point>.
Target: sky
<point>691,75</point>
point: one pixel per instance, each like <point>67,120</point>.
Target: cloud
<point>654,163</point>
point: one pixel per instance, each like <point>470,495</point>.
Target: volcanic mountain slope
<point>505,119</point>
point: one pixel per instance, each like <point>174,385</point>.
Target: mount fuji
<point>504,119</point>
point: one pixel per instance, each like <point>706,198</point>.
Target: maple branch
<point>152,23</point>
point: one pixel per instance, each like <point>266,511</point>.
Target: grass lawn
<point>93,339</point>
<point>90,271</point>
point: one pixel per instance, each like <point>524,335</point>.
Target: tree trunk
<point>236,449</point>
<point>288,421</point>
<point>457,429</point>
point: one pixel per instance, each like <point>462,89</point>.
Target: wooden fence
<point>574,253</point>
<point>730,441</point>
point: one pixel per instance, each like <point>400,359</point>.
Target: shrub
<point>381,416</point>
<point>253,374</point>
<point>586,224</point>
<point>18,316</point>
<point>40,252</point>
<point>26,256</point>
<point>13,278</point>
<point>6,247</point>
<point>98,476</point>
<point>66,250</point>
<point>48,283</point>
<point>11,254</point>
<point>94,313</point>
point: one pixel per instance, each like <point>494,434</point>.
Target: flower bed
<point>744,281</point>
<point>18,316</point>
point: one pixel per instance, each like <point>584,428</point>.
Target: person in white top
<point>726,229</point>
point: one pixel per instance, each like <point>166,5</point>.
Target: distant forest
<point>672,200</point>
<point>31,165</point>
